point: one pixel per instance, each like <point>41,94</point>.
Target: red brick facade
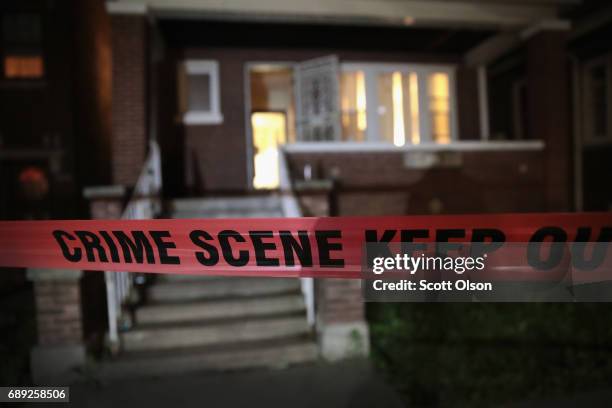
<point>129,96</point>
<point>339,301</point>
<point>548,102</point>
<point>216,157</point>
<point>58,312</point>
<point>381,184</point>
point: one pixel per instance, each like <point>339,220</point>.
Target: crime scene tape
<point>329,247</point>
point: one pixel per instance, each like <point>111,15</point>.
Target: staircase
<point>201,323</point>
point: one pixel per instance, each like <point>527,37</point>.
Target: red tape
<point>287,247</point>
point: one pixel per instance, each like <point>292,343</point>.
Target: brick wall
<point>380,183</point>
<point>340,310</point>
<point>58,312</point>
<point>129,125</point>
<point>468,109</point>
<point>548,104</point>
<point>216,157</point>
<point>106,209</point>
<point>339,301</point>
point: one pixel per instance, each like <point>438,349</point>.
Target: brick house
<point>359,108</point>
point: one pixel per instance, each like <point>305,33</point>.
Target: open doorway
<point>271,119</point>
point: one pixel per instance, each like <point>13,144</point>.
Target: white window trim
<point>371,69</point>
<point>214,115</point>
<point>379,146</point>
<point>589,138</point>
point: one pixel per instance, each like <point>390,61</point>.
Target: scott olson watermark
<point>464,272</point>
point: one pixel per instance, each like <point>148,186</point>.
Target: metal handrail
<point>144,203</point>
<point>291,208</point>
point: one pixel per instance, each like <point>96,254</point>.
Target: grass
<point>446,355</point>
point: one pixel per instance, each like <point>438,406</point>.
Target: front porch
<point>409,120</point>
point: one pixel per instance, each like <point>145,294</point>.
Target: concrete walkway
<point>345,384</point>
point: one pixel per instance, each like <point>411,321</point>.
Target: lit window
<point>398,108</point>
<point>353,105</point>
<point>199,94</point>
<point>18,66</point>
<point>408,104</point>
<point>439,107</point>
<point>22,46</point>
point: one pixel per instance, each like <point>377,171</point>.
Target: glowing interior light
<point>414,108</point>
<point>269,131</point>
<point>16,66</point>
<point>439,107</point>
<point>361,102</point>
<point>346,120</point>
<point>399,136</point>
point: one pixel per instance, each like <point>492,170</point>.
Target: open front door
<point>317,100</point>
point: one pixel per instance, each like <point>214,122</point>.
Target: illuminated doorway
<point>271,119</point>
<point>269,132</point>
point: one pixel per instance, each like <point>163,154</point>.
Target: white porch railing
<point>291,208</point>
<point>144,203</point>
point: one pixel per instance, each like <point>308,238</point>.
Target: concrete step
<point>186,278</point>
<point>244,213</point>
<point>174,337</point>
<point>227,204</point>
<point>266,355</point>
<point>220,288</point>
<point>225,309</point>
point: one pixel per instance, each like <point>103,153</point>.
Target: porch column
<point>342,330</point>
<point>129,29</point>
<point>548,93</point>
<point>105,202</point>
<point>341,326</point>
<point>60,350</point>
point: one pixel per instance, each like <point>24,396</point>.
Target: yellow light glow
<point>361,102</point>
<point>439,85</point>
<point>269,131</point>
<point>346,120</point>
<point>18,66</point>
<point>414,108</point>
<point>399,136</point>
<point>439,107</point>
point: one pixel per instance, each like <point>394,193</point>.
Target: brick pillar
<point>129,112</point>
<point>105,202</point>
<point>340,319</point>
<point>468,108</point>
<point>60,350</point>
<point>549,112</point>
<point>341,326</point>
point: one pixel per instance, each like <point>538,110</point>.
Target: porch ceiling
<point>195,33</point>
<point>489,13</point>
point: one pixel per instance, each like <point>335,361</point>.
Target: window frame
<point>372,69</point>
<point>7,50</point>
<point>589,137</point>
<point>192,67</point>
